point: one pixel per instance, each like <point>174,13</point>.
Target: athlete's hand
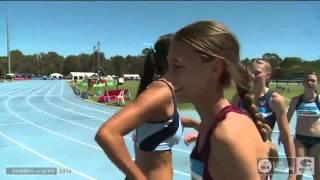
<point>291,177</point>
<point>191,137</point>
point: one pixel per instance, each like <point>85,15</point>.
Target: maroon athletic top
<point>199,159</point>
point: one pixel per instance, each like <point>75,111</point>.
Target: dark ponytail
<point>148,72</point>
<point>156,63</point>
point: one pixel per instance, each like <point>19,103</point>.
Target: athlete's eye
<point>177,66</point>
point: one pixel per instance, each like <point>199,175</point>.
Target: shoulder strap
<point>300,101</point>
<point>317,102</point>
<point>173,95</point>
<point>167,83</point>
<point>222,115</point>
<point>269,95</point>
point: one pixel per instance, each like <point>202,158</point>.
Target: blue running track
<point>44,124</point>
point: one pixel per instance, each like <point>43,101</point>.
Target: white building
<point>81,75</point>
<point>109,77</point>
<point>56,76</point>
<point>131,76</point>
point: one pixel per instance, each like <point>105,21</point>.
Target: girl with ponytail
<point>203,60</point>
<point>156,64</point>
<point>153,117</point>
<point>271,106</point>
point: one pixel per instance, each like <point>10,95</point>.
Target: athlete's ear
<point>217,68</point>
<point>269,74</point>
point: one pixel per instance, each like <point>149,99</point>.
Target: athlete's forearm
<point>290,151</point>
<point>190,123</point>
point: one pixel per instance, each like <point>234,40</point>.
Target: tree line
<point>289,67</point>
<point>51,62</point>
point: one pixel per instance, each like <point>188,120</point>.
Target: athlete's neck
<point>209,112</point>
<point>309,95</point>
<point>259,91</point>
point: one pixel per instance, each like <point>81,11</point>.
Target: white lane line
<point>45,157</point>
<point>13,87</point>
<point>12,93</point>
<point>9,147</point>
<point>57,117</point>
<point>45,129</point>
<point>181,150</point>
<point>51,89</point>
<point>74,112</point>
<point>66,137</point>
<point>79,124</point>
<point>9,124</point>
<point>7,89</point>
<point>84,126</point>
<point>126,137</point>
<point>181,173</point>
<point>25,96</point>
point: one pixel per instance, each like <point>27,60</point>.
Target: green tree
<point>1,69</point>
<point>294,72</point>
<point>245,61</point>
<point>146,51</point>
<point>71,64</point>
<point>27,66</point>
<point>4,65</point>
<point>97,59</point>
<point>86,64</point>
<point>138,64</point>
<point>278,73</point>
<point>118,63</point>
<point>57,62</point>
<point>289,62</point>
<point>309,66</point>
<point>16,58</point>
<point>273,58</point>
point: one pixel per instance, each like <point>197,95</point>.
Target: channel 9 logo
<point>264,166</point>
<point>304,165</point>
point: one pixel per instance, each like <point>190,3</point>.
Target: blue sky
<point>286,28</point>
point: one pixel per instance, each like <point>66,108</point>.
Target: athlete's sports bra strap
<point>172,91</point>
<point>199,159</point>
<point>301,100</point>
<point>222,115</point>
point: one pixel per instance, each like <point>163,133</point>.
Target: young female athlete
<point>307,107</point>
<point>155,118</point>
<point>203,60</point>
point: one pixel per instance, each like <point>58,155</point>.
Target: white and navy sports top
<point>159,136</point>
<point>309,109</point>
<point>263,105</point>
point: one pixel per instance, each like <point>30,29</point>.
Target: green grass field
<point>132,86</point>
